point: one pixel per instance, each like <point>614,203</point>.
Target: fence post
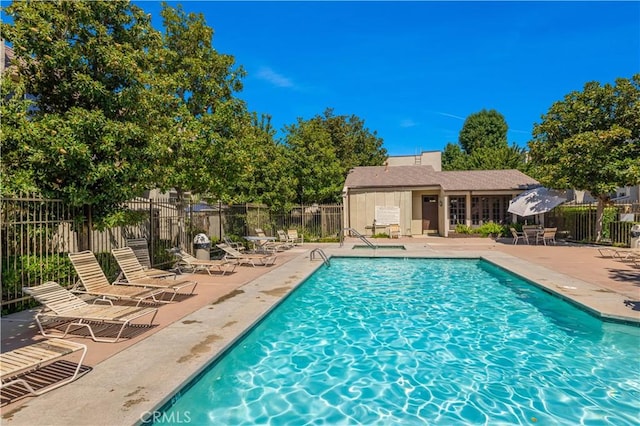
<point>152,241</point>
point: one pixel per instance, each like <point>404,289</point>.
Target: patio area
<point>129,379</point>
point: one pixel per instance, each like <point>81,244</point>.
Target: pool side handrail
<point>322,254</point>
<point>357,234</point>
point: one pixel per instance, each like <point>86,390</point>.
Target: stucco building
<point>423,200</point>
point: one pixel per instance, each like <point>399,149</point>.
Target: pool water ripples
<point>422,341</point>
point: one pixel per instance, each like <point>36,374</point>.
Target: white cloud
<point>267,74</point>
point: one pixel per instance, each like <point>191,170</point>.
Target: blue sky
<point>413,71</point>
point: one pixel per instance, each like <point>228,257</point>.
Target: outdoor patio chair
<point>134,274</point>
<point>632,255</point>
<point>95,282</point>
<point>295,237</point>
<point>517,236</point>
<point>284,239</point>
<point>547,235</point>
<point>141,251</point>
<point>25,366</point>
<point>236,245</point>
<point>60,304</point>
<point>264,259</point>
<point>268,245</point>
<point>190,263</point>
<point>394,231</point>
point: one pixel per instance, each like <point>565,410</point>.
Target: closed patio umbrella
<point>536,201</point>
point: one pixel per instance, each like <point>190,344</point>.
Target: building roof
<point>421,176</point>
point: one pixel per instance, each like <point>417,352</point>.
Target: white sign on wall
<point>387,215</point>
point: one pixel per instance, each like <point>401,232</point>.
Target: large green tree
<point>120,107</point>
<point>268,176</point>
<point>206,129</point>
<point>84,137</point>
<point>591,141</point>
<point>484,129</point>
<point>324,148</point>
<point>482,145</point>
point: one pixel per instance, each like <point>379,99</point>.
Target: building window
<point>457,211</point>
<point>489,209</point>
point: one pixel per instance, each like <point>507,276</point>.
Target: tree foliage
<point>591,141</point>
<point>120,107</point>
<point>324,148</point>
<point>268,177</point>
<point>482,145</point>
<point>84,138</point>
<point>484,129</point>
<point>203,126</point>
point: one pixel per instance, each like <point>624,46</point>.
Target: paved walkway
<point>129,379</point>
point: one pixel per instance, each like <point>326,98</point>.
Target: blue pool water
<point>421,341</point>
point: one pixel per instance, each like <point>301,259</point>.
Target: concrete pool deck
<point>129,379</point>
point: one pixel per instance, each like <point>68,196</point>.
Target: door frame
<point>428,200</point>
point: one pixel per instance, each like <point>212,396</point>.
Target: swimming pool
<point>420,341</point>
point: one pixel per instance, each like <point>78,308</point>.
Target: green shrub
<point>329,240</point>
<point>380,235</point>
<point>490,228</point>
<point>32,270</point>
<point>463,229</point>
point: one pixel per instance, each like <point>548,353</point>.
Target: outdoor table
<point>532,232</point>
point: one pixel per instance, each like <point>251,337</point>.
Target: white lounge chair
<point>295,237</point>
<point>190,263</point>
<point>60,304</point>
<point>284,239</point>
<point>134,274</point>
<point>141,251</point>
<point>267,245</point>
<point>263,259</point>
<point>95,282</point>
<point>24,366</point>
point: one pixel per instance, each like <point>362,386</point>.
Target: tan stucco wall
<point>426,158</point>
<point>362,208</point>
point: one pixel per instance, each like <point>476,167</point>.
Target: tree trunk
<point>599,218</point>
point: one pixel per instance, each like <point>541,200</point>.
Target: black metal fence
<point>577,222</point>
<point>37,234</point>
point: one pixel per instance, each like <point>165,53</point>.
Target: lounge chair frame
<point>264,259</point>
<point>284,239</point>
<point>394,230</point>
<point>141,251</point>
<point>267,246</point>
<point>297,239</point>
<point>60,303</point>
<point>16,364</point>
<point>190,263</point>
<point>95,282</point>
<point>134,274</point>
